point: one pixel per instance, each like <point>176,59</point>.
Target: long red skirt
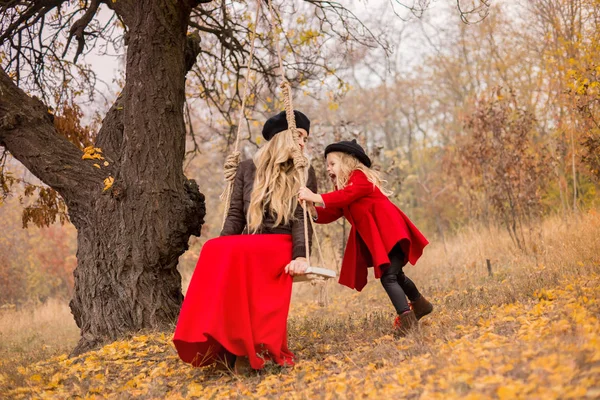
<point>238,299</point>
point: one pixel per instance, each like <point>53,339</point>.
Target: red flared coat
<point>377,225</point>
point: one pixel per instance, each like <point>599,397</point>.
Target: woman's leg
<point>225,361</point>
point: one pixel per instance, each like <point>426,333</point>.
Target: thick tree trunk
<point>130,236</point>
<point>127,277</point>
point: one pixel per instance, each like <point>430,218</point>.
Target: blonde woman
<point>381,236</point>
<point>236,307</point>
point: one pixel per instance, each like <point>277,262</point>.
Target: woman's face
<point>333,165</point>
<point>303,138</point>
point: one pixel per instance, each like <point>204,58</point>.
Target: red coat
<point>377,225</point>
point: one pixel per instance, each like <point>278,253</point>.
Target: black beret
<point>350,147</point>
<point>278,123</point>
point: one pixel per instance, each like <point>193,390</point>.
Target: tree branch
<point>35,8</point>
<point>78,29</point>
<point>27,131</point>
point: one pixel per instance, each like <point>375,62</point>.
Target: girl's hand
<point>297,266</point>
<point>307,195</point>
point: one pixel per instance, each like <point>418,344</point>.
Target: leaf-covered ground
<point>544,345</point>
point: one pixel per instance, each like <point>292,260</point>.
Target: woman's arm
<point>236,219</point>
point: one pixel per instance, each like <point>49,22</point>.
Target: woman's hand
<point>297,266</point>
<point>307,195</point>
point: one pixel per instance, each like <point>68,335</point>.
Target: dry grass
<point>529,330</point>
<point>455,276</point>
<point>32,334</point>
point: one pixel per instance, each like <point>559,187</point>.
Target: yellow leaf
<point>92,153</point>
<point>194,389</point>
<point>507,392</point>
<point>108,182</point>
<point>96,165</point>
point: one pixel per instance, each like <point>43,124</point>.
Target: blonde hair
<point>276,183</point>
<point>349,164</point>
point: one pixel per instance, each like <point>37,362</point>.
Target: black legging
<point>397,285</point>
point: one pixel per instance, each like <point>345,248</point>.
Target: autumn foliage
<point>504,169</point>
<point>35,264</point>
<point>528,331</point>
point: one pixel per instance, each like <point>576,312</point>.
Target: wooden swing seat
<point>313,273</point>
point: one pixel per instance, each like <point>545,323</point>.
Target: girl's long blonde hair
<point>348,164</point>
<point>276,183</point>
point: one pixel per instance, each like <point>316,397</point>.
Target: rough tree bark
<point>131,236</point>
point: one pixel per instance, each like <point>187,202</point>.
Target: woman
<point>236,306</point>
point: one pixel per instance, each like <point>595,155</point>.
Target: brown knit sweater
<point>235,224</point>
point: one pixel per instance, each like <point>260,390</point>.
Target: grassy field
<point>530,330</point>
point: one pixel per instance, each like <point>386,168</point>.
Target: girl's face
<point>303,138</point>
<point>333,165</point>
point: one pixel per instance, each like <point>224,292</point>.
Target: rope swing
<point>315,275</point>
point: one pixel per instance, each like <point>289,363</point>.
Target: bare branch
<point>78,29</point>
<point>37,8</point>
<point>482,10</point>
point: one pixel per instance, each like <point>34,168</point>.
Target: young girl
<point>381,235</point>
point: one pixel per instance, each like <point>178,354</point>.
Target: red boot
<point>404,323</point>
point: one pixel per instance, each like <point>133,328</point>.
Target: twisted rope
<point>301,163</point>
<point>233,160</point>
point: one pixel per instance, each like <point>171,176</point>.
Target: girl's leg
<point>390,283</point>
<point>406,320</point>
<point>420,305</point>
<point>408,286</point>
